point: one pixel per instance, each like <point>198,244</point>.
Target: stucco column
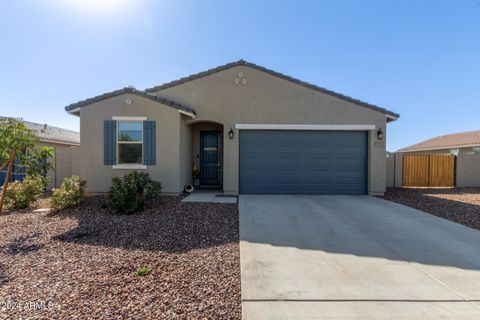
<point>377,163</point>
<point>231,160</point>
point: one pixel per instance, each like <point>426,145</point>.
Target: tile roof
<point>74,106</point>
<point>51,134</point>
<point>448,141</point>
<point>393,115</point>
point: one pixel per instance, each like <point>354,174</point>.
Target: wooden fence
<point>428,171</point>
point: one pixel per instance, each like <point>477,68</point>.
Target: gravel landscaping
<point>81,263</point>
<point>460,205</point>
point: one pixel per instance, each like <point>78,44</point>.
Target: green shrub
<point>152,190</point>
<point>70,194</point>
<point>21,195</point>
<point>128,195</point>
<point>143,271</point>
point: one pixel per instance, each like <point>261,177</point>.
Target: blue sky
<point>418,58</point>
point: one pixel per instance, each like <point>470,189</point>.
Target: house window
<point>130,142</point>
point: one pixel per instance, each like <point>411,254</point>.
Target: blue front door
<point>209,159</point>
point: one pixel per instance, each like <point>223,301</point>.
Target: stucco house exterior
<point>456,143</point>
<point>243,128</point>
<point>64,142</point>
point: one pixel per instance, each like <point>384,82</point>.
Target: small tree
<point>15,137</point>
<point>37,161</point>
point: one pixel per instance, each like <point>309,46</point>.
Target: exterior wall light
<point>380,134</point>
<point>231,133</point>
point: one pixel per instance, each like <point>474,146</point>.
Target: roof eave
<point>75,111</point>
<point>461,146</point>
<point>74,108</point>
<point>74,144</point>
<point>392,117</point>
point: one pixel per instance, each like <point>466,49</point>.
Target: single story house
<point>63,141</point>
<point>455,144</point>
<point>238,127</point>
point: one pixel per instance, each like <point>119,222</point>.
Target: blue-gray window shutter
<point>149,142</point>
<point>109,142</point>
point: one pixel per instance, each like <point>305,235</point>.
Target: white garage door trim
<point>316,127</point>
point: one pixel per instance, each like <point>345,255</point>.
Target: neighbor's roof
<point>448,141</point>
<point>392,115</point>
<point>74,107</point>
<point>51,134</point>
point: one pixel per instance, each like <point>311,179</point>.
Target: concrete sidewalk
<point>354,257</point>
<point>210,196</point>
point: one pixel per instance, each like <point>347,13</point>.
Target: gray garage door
<point>303,162</point>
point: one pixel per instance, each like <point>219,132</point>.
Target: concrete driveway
<point>354,257</point>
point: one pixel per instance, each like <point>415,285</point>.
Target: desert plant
<point>37,160</point>
<point>128,195</point>
<point>143,271</point>
<point>21,194</point>
<point>14,137</point>
<point>70,194</point>
<point>152,190</point>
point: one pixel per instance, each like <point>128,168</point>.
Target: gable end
<point>391,116</point>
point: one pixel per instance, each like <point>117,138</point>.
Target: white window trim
<point>325,127</point>
<point>130,118</point>
<point>129,165</point>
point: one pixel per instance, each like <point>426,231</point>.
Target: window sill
<point>129,166</point>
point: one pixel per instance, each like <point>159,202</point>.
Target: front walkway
<point>354,257</point>
<point>206,195</point>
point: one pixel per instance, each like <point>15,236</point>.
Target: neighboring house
<point>64,142</point>
<point>457,143</point>
<point>247,129</point>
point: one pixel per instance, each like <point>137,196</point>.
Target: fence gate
<point>428,171</point>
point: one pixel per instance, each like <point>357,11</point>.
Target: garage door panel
<point>347,181</point>
<point>287,142</point>
<point>283,155</point>
<point>347,188</point>
<point>319,179</point>
<point>261,153</point>
<point>272,175</point>
<point>318,153</point>
<point>254,175</point>
<point>283,175</point>
<point>357,174</point>
<point>321,166</point>
<point>348,167</point>
<point>317,188</point>
<point>318,162</point>
<point>348,149</point>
